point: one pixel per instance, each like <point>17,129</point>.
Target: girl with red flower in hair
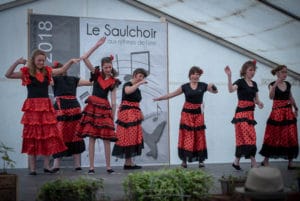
<point>98,115</point>
<point>192,141</point>
<point>247,92</point>
<point>281,134</point>
<point>68,112</point>
<point>40,133</point>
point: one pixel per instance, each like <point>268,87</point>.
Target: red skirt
<point>192,140</point>
<point>40,134</point>
<point>97,120</point>
<point>68,113</point>
<point>129,131</point>
<point>245,135</point>
<point>281,134</point>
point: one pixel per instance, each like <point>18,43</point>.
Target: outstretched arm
<point>86,56</point>
<point>66,66</point>
<point>131,89</point>
<point>10,73</point>
<point>231,87</point>
<point>84,83</point>
<point>169,95</point>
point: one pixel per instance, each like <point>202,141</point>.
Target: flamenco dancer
<point>281,134</point>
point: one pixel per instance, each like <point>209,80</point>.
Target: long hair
<point>31,65</point>
<point>247,65</point>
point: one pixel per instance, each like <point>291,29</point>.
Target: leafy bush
<point>7,161</point>
<point>168,184</point>
<point>80,189</point>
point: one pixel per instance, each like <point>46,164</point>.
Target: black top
<point>37,89</point>
<point>244,91</point>
<point>133,97</point>
<point>194,95</point>
<point>65,85</point>
<point>282,95</point>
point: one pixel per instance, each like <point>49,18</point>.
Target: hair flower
<point>111,57</point>
<point>55,64</point>
<point>254,61</point>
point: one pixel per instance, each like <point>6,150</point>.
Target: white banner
<point>134,44</point>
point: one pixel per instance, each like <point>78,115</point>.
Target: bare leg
<point>290,163</point>
<point>32,160</point>
<point>92,152</point>
<point>128,161</point>
<point>56,163</point>
<point>106,144</point>
<point>266,161</point>
<point>76,160</point>
<point>237,161</point>
<point>253,162</point>
<point>47,162</point>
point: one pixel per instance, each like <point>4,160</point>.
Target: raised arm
<point>169,95</point>
<point>66,66</point>
<point>86,56</point>
<point>231,87</point>
<point>10,73</point>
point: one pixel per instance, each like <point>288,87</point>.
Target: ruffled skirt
<point>281,134</point>
<point>97,120</point>
<point>40,133</point>
<point>68,113</point>
<point>129,131</point>
<point>192,140</point>
<point>245,135</point>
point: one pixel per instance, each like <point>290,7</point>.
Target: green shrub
<point>80,189</point>
<point>168,184</point>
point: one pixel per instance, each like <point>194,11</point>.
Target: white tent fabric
<point>250,24</point>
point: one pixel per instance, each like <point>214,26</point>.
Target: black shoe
<point>78,169</point>
<point>237,167</point>
<point>48,171</point>
<point>32,173</point>
<point>132,167</point>
<point>92,171</point>
<point>110,171</point>
<point>262,163</point>
<point>291,168</point>
<point>55,170</point>
<point>183,165</point>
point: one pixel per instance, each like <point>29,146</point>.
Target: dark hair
<point>141,71</point>
<point>247,65</point>
<point>31,64</point>
<point>108,60</point>
<point>278,68</point>
<point>195,69</point>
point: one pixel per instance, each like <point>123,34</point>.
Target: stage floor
<point>29,185</point>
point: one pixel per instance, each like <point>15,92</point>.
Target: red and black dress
<point>97,118</point>
<point>281,137</point>
<point>68,113</point>
<point>192,141</point>
<point>40,133</point>
<point>129,125</point>
<point>245,135</point>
